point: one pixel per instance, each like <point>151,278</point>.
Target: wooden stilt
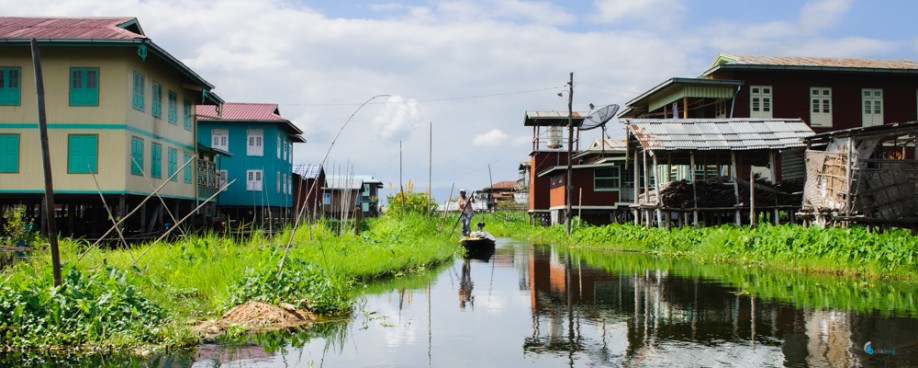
<point>694,190</point>
<point>656,181</point>
<point>734,176</point>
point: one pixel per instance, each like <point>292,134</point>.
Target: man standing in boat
<point>465,212</point>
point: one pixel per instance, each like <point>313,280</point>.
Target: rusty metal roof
<point>553,118</point>
<point>725,61</point>
<point>101,28</point>
<point>718,134</point>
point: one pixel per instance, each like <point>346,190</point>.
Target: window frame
<point>187,114</point>
<point>254,180</point>
<point>138,91</point>
<point>137,161</point>
<point>7,97</point>
<point>172,165</point>
<point>823,102</point>
<point>172,98</point>
<point>156,160</point>
<point>875,103</point>
<point>156,107</point>
<point>186,172</point>
<point>255,142</point>
<point>216,133</point>
<point>5,155</point>
<point>222,178</point>
<point>765,97</point>
<point>94,167</point>
<point>78,95</point>
<point>614,179</point>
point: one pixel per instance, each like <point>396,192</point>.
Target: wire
<point>441,99</point>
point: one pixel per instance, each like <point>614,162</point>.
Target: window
<point>84,86</point>
<point>606,179</point>
<point>279,182</point>
<point>760,102</point>
<point>136,156</point>
<point>173,156</point>
<point>187,112</point>
<point>186,172</point>
<point>173,108</point>
<point>82,153</point>
<point>156,160</point>
<point>255,142</point>
<point>138,91</point>
<point>253,180</point>
<point>219,139</point>
<point>221,177</point>
<point>821,107</point>
<point>872,99</point>
<point>286,184</point>
<point>9,85</point>
<point>157,100</point>
<point>720,110</point>
<point>278,145</point>
<point>9,153</point>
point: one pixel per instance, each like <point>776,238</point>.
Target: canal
<point>539,306</point>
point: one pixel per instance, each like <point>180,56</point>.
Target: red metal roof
<point>823,61</point>
<point>242,112</point>
<point>108,28</point>
<point>504,185</point>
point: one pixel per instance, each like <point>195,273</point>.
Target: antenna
<point>600,117</point>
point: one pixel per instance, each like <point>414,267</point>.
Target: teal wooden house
<point>260,146</point>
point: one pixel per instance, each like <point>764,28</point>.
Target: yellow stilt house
<point>119,108</point>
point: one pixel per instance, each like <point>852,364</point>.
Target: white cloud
<point>397,119</point>
<point>823,14</point>
<point>658,12</point>
<point>492,138</point>
<point>521,141</point>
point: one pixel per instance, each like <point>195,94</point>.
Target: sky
<point>468,70</point>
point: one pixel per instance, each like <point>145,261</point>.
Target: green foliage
<point>91,307</point>
<point>301,284</point>
<point>406,201</point>
<point>14,224</point>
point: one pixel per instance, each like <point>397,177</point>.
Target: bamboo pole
<point>734,176</point>
<point>751,197</point>
<point>656,182</point>
<point>637,179</point>
<point>570,149</point>
<point>50,214</point>
<point>161,200</point>
<point>430,172</point>
<point>694,190</point>
<point>774,181</point>
<point>109,212</point>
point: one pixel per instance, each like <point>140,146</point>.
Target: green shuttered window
<point>9,153</point>
<point>187,111</point>
<point>172,166</point>
<point>84,86</point>
<point>173,108</point>
<point>157,100</point>
<point>136,156</point>
<point>156,160</point>
<point>186,172</point>
<point>138,99</point>
<point>82,153</point>
<point>9,85</point>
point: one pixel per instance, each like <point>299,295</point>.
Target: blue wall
<point>240,162</point>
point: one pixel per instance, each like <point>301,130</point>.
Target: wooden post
<point>646,212</point>
<point>685,107</point>
<point>46,163</point>
<point>580,204</point>
<point>430,171</point>
<point>751,197</point>
<point>637,185</point>
<point>570,148</point>
<point>734,176</point>
<point>772,160</point>
<point>694,190</point>
<point>656,181</point>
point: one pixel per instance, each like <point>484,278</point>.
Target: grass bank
<point>109,301</point>
<point>852,252</point>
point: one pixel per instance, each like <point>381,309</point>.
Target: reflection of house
<point>308,182</point>
<point>261,142</point>
<point>861,175</point>
<point>345,194</point>
<point>120,110</point>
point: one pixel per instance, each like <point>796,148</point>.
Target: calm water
<point>536,306</point>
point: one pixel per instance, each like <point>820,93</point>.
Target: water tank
<point>554,137</point>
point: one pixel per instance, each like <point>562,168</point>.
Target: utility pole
<point>570,151</point>
<point>46,162</point>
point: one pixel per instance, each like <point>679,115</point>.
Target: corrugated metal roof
<point>310,171</point>
<point>342,182</point>
<point>248,112</point>
<point>108,28</point>
<point>609,145</point>
<point>503,185</point>
<point>718,134</point>
<point>725,61</point>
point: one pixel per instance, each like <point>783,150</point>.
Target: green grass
<point>204,275</point>
<point>853,251</point>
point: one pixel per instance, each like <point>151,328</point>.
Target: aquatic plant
<point>301,284</point>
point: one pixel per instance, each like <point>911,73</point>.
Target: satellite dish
<point>600,117</point>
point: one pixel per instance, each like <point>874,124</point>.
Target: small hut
<point>711,171</point>
<point>863,175</point>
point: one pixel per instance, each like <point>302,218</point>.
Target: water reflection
<point>544,307</point>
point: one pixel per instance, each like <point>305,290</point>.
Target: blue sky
<point>471,68</point>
